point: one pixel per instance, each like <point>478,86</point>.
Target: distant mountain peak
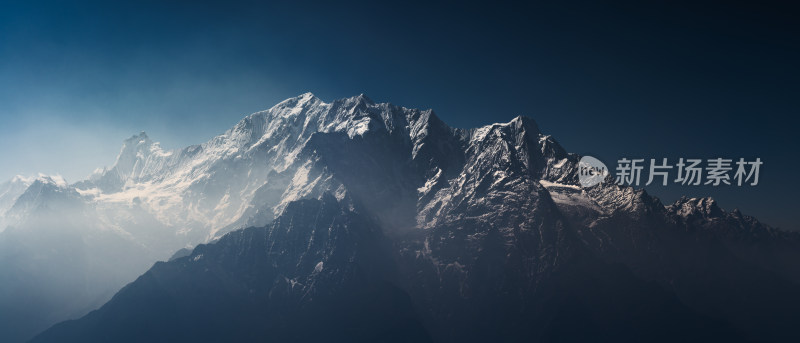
<point>56,180</point>
<point>299,101</point>
<point>135,150</point>
<point>525,122</point>
<point>364,98</point>
<point>705,206</point>
<point>141,136</point>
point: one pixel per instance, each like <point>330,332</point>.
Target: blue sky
<point>683,79</point>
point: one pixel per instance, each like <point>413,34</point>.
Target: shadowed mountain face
<point>322,272</point>
<point>372,222</point>
<point>317,273</point>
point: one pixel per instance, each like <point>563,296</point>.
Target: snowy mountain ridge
<point>454,202</point>
<point>201,189</point>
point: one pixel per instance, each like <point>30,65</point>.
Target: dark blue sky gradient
<point>666,79</point>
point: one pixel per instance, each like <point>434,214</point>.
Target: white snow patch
<point>359,128</point>
<point>430,183</point>
<point>91,192</point>
<point>570,195</point>
<point>548,184</point>
<point>560,163</point>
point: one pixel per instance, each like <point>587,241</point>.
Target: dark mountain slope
<point>318,273</point>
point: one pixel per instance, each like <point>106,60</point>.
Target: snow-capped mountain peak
<point>135,153</point>
<point>56,179</point>
<point>11,190</point>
